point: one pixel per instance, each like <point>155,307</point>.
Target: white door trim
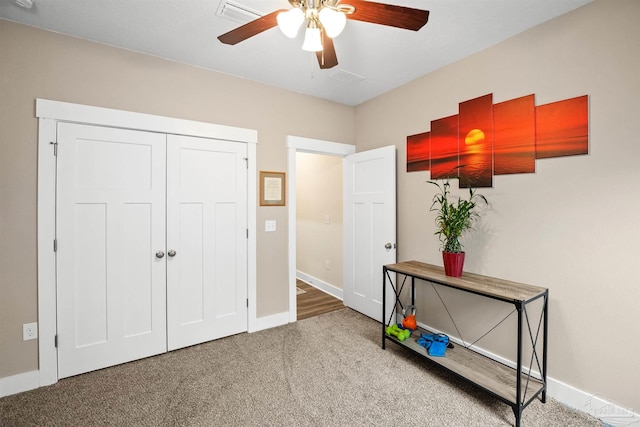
<point>50,113</point>
<point>305,145</point>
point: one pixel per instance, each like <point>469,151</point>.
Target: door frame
<point>49,114</point>
<point>305,145</point>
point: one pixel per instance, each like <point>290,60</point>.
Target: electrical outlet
<point>30,331</point>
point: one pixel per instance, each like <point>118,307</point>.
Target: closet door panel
<point>226,259</point>
<point>192,268</point>
<point>206,229</point>
<point>110,223</point>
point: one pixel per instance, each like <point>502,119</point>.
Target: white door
<point>110,223</point>
<point>370,227</point>
<point>206,240</point>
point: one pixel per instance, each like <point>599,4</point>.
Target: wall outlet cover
<point>30,331</point>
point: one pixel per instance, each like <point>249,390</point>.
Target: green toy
<point>399,333</point>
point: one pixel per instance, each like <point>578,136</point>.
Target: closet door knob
<point>388,246</point>
<point>171,253</point>
<point>159,254</point>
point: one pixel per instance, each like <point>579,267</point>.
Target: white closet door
<point>110,223</point>
<point>206,240</point>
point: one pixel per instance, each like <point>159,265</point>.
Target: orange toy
<point>409,321</point>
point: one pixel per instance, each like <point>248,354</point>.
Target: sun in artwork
<point>474,140</point>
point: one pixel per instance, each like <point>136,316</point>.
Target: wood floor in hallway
<point>314,301</point>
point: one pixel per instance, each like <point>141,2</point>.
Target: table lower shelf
<point>487,373</point>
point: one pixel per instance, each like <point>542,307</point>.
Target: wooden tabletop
<point>483,285</point>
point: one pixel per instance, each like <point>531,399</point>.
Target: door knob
<point>171,253</point>
<point>159,254</point>
<point>388,246</point>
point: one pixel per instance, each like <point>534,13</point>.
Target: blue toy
<point>436,344</point>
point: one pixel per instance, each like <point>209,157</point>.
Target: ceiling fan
<point>325,19</point>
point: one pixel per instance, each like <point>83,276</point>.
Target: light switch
<point>270,225</point>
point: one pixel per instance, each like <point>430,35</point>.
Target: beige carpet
<point>323,371</point>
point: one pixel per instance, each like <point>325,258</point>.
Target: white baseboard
<point>319,284</point>
<point>19,383</point>
<point>595,405</point>
<point>272,321</point>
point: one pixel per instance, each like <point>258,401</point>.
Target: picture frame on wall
<point>272,188</point>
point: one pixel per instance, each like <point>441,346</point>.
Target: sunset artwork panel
<point>444,148</point>
<point>475,142</point>
<point>562,128</point>
<point>419,152</point>
<point>514,136</point>
<point>486,139</point>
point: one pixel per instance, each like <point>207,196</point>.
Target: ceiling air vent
<point>237,12</point>
<point>347,77</point>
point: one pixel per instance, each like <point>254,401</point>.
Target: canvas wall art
<point>475,142</point>
<point>486,139</point>
<point>419,152</point>
<point>562,128</point>
<point>444,147</point>
<point>514,136</point>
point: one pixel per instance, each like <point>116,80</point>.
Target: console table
<point>518,386</point>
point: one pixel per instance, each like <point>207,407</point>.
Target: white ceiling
<point>386,57</point>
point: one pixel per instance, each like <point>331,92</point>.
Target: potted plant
<point>453,219</point>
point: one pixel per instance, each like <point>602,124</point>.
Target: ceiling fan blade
<point>388,14</point>
<point>251,29</point>
<point>327,56</point>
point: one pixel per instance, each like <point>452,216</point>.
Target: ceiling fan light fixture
<point>290,21</point>
<point>312,38</point>
<point>332,20</point>
<point>320,31</point>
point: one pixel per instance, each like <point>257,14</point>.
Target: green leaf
<point>455,218</point>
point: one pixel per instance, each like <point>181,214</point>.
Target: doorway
<point>319,243</point>
<point>369,184</point>
<point>303,145</point>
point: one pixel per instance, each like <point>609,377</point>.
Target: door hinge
<point>55,148</point>
<point>247,233</point>
<point>246,160</point>
<point>55,341</point>
<point>247,302</point>
<point>55,245</point>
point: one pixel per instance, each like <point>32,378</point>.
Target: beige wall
<point>39,64</point>
<point>573,225</point>
<point>319,217</point>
